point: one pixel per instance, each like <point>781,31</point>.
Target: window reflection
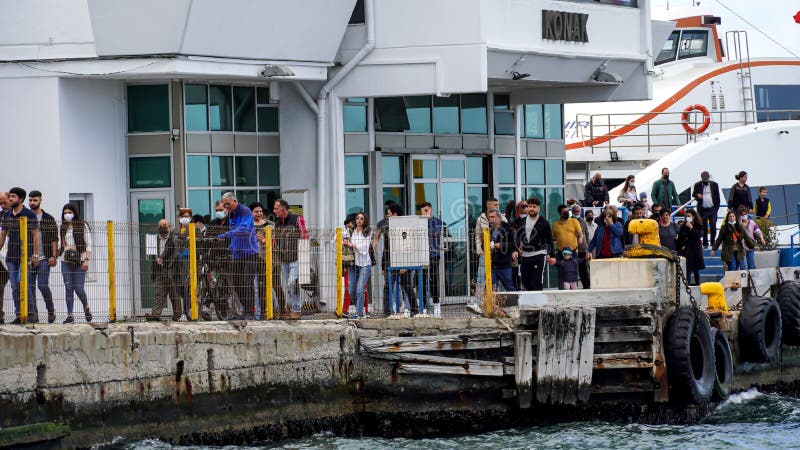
<point>445,115</point>
<point>473,113</point>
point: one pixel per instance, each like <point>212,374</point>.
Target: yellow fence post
<point>23,270</point>
<point>268,271</point>
<point>487,262</point>
<point>193,270</point>
<point>339,285</point>
<point>112,282</point>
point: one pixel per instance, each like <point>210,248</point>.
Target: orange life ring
<point>685,119</point>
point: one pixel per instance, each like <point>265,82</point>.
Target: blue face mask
<point>221,214</point>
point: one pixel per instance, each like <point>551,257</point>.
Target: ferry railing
<point>662,131</point>
<point>194,275</point>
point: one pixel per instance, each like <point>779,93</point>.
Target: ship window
<point>667,53</point>
<point>777,102</point>
<point>693,44</point>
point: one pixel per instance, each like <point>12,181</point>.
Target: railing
<point>131,272</point>
<point>662,132</point>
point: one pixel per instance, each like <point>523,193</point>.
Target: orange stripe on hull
<point>671,101</point>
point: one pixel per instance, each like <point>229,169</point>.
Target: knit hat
<point>642,195</point>
<point>566,251</point>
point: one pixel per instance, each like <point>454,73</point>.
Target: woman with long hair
<point>75,251</point>
<point>740,193</point>
<point>732,238</point>
<point>690,245</point>
<point>261,222</point>
<point>359,271</point>
<point>628,196</point>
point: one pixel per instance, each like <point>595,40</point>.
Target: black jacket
<point>49,230</point>
<point>595,193</point>
<point>698,190</point>
<point>169,255</point>
<point>541,238</point>
<point>501,257</point>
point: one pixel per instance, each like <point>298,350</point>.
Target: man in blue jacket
<point>607,240</point>
<point>244,250</point>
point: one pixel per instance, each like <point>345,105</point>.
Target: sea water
<point>748,420</point>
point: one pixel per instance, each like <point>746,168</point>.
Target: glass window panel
<point>262,95</point>
<point>473,113</point>
<point>537,193</point>
<point>426,192</point>
<point>216,194</point>
<point>247,196</point>
<point>357,99</point>
<point>200,202</point>
<point>148,108</point>
<point>396,194</point>
<point>453,212</point>
<point>355,118</point>
<point>268,119</point>
<point>693,43</point>
<point>452,168</point>
<point>356,200</point>
<point>244,107</point>
<point>220,108</point>
<point>197,171</point>
<point>505,170</point>
<point>222,170</point>
<point>534,125</point>
<point>424,168</point>
<point>267,198</point>
<point>555,197</point>
<point>391,114</point>
<point>355,170</point>
<point>504,124</point>
<point>476,201</point>
<point>269,171</point>
<point>150,172</point>
<point>246,171</point>
<point>418,111</point>
<point>502,102</point>
<point>555,171</point>
<point>478,170</point>
<point>534,169</point>
<point>552,122</point>
<point>392,169</point>
<point>196,107</point>
<point>667,53</point>
<point>505,195</point>
<point>445,115</point>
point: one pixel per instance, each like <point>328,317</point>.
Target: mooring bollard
<point>268,271</point>
<point>112,284</point>
<point>23,270</point>
<point>487,262</point>
<point>193,270</point>
<point>339,291</point>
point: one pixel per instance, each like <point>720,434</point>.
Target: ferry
<point>714,107</point>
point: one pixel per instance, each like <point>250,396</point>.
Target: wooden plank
<point>586,355</point>
<point>35,433</point>
<point>623,334</point>
<point>569,393</point>
<point>633,386</point>
<point>546,346</point>
<point>523,369</point>
<point>487,370</point>
<point>623,312</point>
<point>628,360</point>
<point>430,359</point>
<point>558,358</point>
<point>437,343</point>
<point>659,371</point>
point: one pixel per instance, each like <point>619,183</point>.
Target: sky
<point>774,17</point>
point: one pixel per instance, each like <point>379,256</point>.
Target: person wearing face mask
<point>607,240</point>
<point>595,193</point>
<point>667,230</point>
<point>591,225</point>
<point>689,246</point>
<point>163,273</point>
<point>215,252</point>
<point>534,239</point>
<point>75,251</point>
<point>566,231</point>
<point>754,233</point>
<point>580,256</point>
<point>706,193</point>
<point>627,195</point>
<point>732,238</point>
<point>663,192</point>
<point>182,263</point>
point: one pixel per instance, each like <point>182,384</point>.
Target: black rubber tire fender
<point>689,356</point>
<point>760,330</point>
<point>723,365</point>
<point>789,302</point>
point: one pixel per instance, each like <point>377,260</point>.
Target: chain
<point>681,278</point>
<point>780,276</point>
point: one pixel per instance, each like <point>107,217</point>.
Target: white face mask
<point>69,216</point>
<point>688,219</point>
<point>632,184</point>
<point>220,214</point>
<point>731,222</point>
<point>185,220</point>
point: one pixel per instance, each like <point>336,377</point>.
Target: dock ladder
<point>737,48</point>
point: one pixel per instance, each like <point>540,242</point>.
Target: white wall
<point>92,140</point>
<point>42,29</point>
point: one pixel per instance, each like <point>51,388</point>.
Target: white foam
<point>742,397</point>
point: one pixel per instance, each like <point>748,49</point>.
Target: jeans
<point>750,259</point>
<point>13,277</point>
<point>503,277</point>
<point>40,276</point>
<point>481,271</point>
<point>430,277</point>
<point>357,278</point>
<point>734,263</point>
<point>244,275</point>
<point>74,279</point>
<point>290,286</point>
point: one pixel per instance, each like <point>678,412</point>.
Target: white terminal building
<point>133,108</point>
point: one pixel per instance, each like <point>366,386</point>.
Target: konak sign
<point>564,26</point>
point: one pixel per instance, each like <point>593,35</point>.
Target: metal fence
<point>132,272</point>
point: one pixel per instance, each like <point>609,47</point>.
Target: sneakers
<point>87,314</point>
<point>294,315</point>
<point>437,310</point>
<point>69,319</point>
<point>51,317</point>
<point>406,314</point>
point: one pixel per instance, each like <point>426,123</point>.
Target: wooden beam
<point>437,343</point>
<point>523,369</point>
<point>629,360</point>
<point>762,278</point>
<point>483,369</point>
<point>586,354</point>
<point>429,359</point>
<point>634,386</point>
<point>659,371</point>
<point>624,334</point>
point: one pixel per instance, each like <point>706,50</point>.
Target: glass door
<point>147,208</point>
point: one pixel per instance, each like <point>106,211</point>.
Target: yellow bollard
<point>339,285</point>
<point>487,262</point>
<point>23,269</point>
<point>193,270</point>
<point>268,271</point>
<point>112,283</point>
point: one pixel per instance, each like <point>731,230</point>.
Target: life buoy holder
<point>685,118</point>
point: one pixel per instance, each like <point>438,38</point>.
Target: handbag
<point>72,256</point>
<point>348,254</point>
